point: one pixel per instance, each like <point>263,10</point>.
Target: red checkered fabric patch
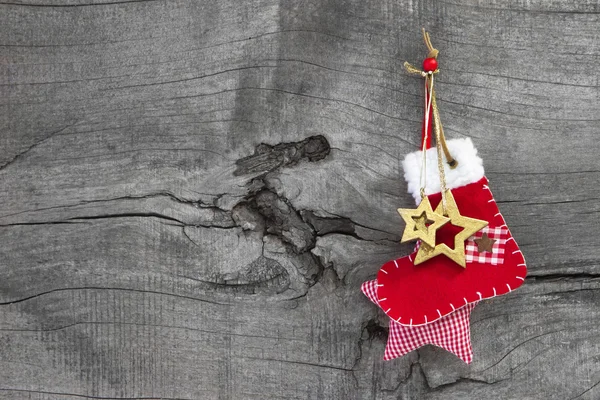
<point>499,234</point>
<point>452,332</point>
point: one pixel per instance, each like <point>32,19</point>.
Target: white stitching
<point>396,263</point>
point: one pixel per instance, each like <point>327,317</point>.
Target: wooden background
<point>192,193</point>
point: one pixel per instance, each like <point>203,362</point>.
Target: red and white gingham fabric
<point>500,234</point>
<point>452,332</point>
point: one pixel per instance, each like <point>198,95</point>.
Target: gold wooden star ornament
<point>469,225</point>
<point>421,222</point>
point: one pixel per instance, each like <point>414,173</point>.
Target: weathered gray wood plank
<point>192,193</point>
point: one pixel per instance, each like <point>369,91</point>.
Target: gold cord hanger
<point>428,75</point>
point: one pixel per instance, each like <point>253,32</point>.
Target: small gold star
<point>485,243</point>
<point>469,225</point>
<point>421,222</point>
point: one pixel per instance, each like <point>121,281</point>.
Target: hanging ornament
<point>430,293</point>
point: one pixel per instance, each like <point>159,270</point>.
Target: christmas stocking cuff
<point>469,168</point>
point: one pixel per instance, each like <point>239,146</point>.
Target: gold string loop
<point>433,52</point>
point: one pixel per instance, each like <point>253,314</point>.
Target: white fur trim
<point>468,170</point>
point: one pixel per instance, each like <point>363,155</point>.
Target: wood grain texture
<point>192,193</point>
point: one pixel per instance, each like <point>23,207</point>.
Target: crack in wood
<point>107,3</point>
<point>83,396</point>
<point>34,145</point>
<point>45,293</point>
<point>535,277</point>
<point>175,327</point>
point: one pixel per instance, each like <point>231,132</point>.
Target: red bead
<point>430,64</point>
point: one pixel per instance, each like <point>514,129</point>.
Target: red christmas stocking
<point>414,295</point>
